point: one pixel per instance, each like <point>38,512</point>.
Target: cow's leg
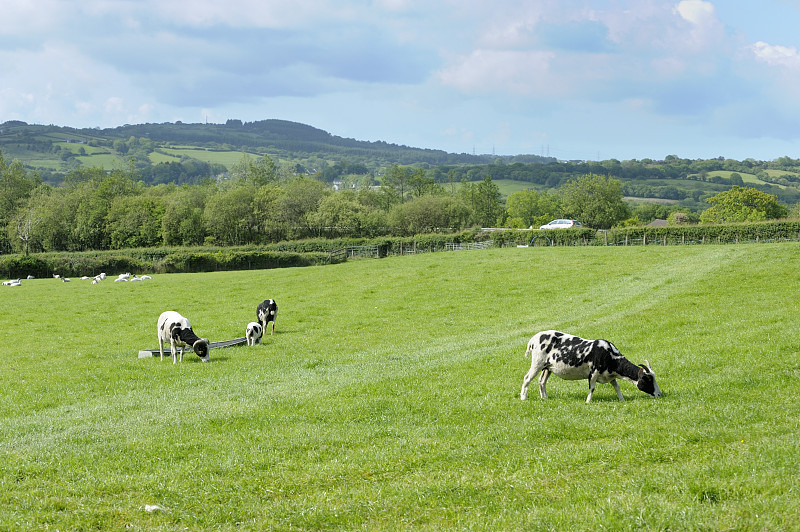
<point>536,367</point>
<point>592,383</point>
<point>542,382</point>
<point>616,388</point>
<point>161,347</point>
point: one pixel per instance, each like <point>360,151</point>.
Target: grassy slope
<point>389,396</point>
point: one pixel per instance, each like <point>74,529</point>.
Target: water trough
<point>144,353</point>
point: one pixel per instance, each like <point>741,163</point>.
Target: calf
<point>175,329</point>
<point>574,358</point>
<point>267,311</point>
<point>253,333</point>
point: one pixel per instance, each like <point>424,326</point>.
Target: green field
<point>509,186</point>
<point>227,158</point>
<point>388,399</point>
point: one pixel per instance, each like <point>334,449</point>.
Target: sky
<point>572,79</point>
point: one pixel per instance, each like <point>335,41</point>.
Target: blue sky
<point>594,79</point>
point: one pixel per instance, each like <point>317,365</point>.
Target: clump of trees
<point>742,204</point>
<point>256,202</point>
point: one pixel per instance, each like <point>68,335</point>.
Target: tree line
<point>258,203</point>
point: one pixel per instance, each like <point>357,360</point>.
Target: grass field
<point>227,158</point>
<point>509,186</point>
<point>388,399</point>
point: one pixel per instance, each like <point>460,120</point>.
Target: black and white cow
<point>574,358</point>
<point>267,311</point>
<point>175,329</point>
<point>253,333</point>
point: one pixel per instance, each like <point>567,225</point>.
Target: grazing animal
<point>574,358</point>
<point>175,329</point>
<point>253,333</point>
<point>267,311</point>
<point>11,282</point>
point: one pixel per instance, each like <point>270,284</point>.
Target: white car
<point>561,224</point>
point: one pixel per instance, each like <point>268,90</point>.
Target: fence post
<point>644,238</point>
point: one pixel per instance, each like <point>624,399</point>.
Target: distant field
<point>227,158</point>
<point>76,147</point>
<point>509,186</point>
<point>106,161</point>
<point>388,399</point>
<point>749,178</point>
<point>634,199</point>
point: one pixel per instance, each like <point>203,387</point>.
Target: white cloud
<point>501,71</point>
<point>697,12</point>
<point>776,55</point>
<point>251,13</point>
<point>30,17</point>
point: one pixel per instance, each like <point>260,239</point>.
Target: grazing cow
<point>574,358</point>
<point>267,311</point>
<point>175,329</point>
<point>253,333</point>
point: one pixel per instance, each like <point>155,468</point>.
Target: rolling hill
<point>180,152</point>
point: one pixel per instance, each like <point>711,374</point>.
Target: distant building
<point>658,222</point>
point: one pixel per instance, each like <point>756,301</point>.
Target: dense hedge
<point>704,234</point>
<point>545,237</point>
<point>199,261</point>
<point>162,260</point>
<point>679,234</point>
<point>318,251</point>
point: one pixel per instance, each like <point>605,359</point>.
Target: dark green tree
<point>485,199</point>
<point>596,201</point>
<point>529,207</point>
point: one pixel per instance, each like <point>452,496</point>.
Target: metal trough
<point>144,353</point>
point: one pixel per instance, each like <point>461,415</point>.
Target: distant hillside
<point>57,150</point>
<point>190,153</point>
